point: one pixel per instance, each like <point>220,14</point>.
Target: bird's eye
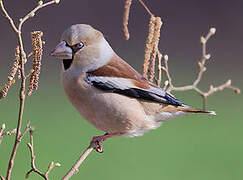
<point>77,46</point>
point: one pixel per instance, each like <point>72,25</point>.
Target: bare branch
<point>7,133</point>
<point>165,85</point>
<point>205,56</point>
<point>51,166</point>
<point>28,128</point>
<point>32,156</point>
<point>75,167</point>
<point>202,69</point>
<point>2,178</point>
<point>165,68</point>
<point>32,13</point>
<point>5,13</point>
<point>21,73</point>
<point>2,129</point>
<point>146,8</point>
<point>2,133</point>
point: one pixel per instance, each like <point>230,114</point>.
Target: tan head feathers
<point>81,33</point>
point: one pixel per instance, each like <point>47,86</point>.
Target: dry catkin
<point>148,46</point>
<point>4,92</point>
<point>31,84</point>
<point>37,56</point>
<point>126,18</point>
<point>155,43</point>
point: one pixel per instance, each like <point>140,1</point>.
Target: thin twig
<point>22,61</point>
<point>32,13</point>
<point>32,156</point>
<point>165,85</point>
<point>21,110</point>
<point>28,127</point>
<point>20,136</point>
<point>50,167</point>
<point>205,56</point>
<point>7,133</point>
<point>30,54</point>
<point>146,8</point>
<point>202,69</point>
<point>5,13</point>
<point>3,127</point>
<point>166,69</point>
<point>75,167</point>
<point>2,134</point>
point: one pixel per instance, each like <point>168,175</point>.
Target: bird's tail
<point>188,109</point>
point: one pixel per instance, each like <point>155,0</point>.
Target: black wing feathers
<point>133,92</point>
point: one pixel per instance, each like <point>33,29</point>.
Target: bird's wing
<point>132,88</point>
<point>117,76</point>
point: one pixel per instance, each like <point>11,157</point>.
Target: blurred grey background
<point>184,22</point>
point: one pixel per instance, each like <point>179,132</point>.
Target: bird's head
<point>83,47</point>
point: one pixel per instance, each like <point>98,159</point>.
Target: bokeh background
<point>186,148</point>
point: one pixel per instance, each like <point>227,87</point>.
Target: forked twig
<point>21,72</point>
<point>205,57</point>
<point>32,156</point>
<point>152,52</point>
<point>2,133</point>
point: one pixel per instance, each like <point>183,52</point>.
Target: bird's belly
<point>109,112</point>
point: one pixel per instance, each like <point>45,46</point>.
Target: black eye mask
<point>68,62</point>
<point>77,47</point>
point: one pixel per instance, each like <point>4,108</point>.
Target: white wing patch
<point>119,83</point>
<point>126,87</point>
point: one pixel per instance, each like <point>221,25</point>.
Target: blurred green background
<point>186,148</point>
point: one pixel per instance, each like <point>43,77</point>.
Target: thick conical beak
<point>62,51</point>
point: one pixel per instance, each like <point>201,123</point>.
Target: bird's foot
<point>99,141</point>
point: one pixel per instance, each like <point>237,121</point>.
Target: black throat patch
<point>67,63</point>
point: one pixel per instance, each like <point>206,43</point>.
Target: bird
<point>107,91</point>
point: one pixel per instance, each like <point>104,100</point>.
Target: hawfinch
<point>107,91</point>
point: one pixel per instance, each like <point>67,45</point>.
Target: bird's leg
<point>99,140</point>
